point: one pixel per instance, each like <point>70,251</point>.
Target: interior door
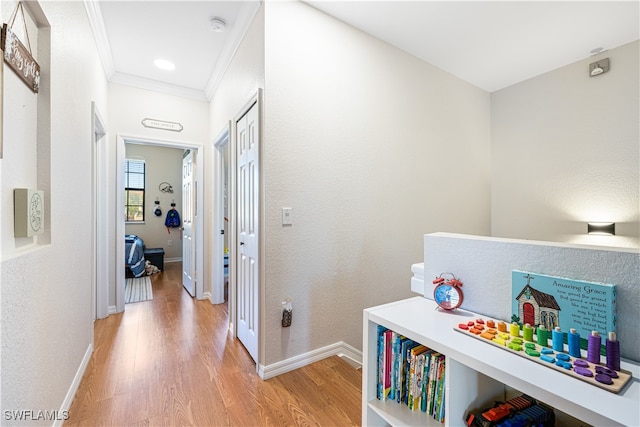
<point>188,246</point>
<point>247,138</point>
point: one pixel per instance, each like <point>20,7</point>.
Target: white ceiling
<point>491,44</point>
<point>494,44</point>
<point>132,34</point>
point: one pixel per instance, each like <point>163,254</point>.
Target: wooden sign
<point>161,124</point>
<point>18,57</point>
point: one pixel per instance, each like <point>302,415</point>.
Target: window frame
<point>140,208</point>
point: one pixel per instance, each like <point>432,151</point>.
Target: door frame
<point>99,216</point>
<point>220,174</point>
<point>257,99</point>
<point>121,141</point>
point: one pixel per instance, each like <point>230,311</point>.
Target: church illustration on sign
<point>537,308</point>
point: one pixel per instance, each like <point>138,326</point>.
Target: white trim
<point>100,216</point>
<point>175,259</point>
<point>220,144</point>
<point>156,86</point>
<point>112,309</point>
<point>96,22</point>
<point>340,348</point>
<point>73,388</point>
<point>206,295</point>
<point>120,230</point>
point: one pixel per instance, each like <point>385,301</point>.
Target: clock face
<point>448,297</point>
<point>35,212</point>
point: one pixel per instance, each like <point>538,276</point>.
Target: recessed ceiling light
<point>163,64</point>
<point>217,24</point>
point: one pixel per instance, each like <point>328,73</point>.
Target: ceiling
<point>491,45</point>
<point>131,35</point>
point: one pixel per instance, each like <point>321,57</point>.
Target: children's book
<point>395,353</point>
<point>386,374</point>
<point>433,374</point>
<point>407,374</point>
<point>402,377</point>
<point>399,366</point>
<point>425,382</point>
<point>415,351</point>
<point>439,389</point>
<point>380,375</point>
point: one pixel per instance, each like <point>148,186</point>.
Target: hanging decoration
<point>165,187</point>
<point>173,218</point>
<point>18,56</point>
<point>157,211</point>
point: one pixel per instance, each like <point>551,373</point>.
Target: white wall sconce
<point>602,228</point>
<point>599,67</point>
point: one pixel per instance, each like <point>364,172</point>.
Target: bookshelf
<point>477,374</point>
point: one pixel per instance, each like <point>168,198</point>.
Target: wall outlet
<point>169,242</point>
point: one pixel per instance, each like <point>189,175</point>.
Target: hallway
<point>171,361</point>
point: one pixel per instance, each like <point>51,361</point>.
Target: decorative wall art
<point>18,56</point>
<point>28,212</point>
<point>538,299</point>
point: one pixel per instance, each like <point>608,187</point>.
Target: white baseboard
<point>207,295</point>
<point>73,388</point>
<point>112,309</point>
<point>341,349</point>
<point>166,260</point>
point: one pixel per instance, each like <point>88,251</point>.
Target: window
<point>134,190</point>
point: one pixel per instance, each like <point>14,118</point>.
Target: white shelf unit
<point>477,373</point>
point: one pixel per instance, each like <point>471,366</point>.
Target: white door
<point>247,138</point>
<point>188,202</point>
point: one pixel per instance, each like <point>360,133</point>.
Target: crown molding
<point>96,22</point>
<point>156,86</point>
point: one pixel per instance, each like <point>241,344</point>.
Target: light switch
<point>287,216</point>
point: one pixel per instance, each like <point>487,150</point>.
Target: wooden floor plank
<point>170,361</point>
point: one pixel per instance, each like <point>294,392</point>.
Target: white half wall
<point>484,265</point>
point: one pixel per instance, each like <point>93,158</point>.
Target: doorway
<point>194,207</point>
<point>220,272</point>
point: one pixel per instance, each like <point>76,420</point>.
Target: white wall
<point>372,148</point>
<point>47,324</point>
<point>565,151</point>
<point>162,164</point>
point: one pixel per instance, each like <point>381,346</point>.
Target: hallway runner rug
<point>137,289</point>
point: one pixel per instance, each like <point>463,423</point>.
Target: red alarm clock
<point>447,293</point>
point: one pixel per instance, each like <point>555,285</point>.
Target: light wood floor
<point>171,361</point>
